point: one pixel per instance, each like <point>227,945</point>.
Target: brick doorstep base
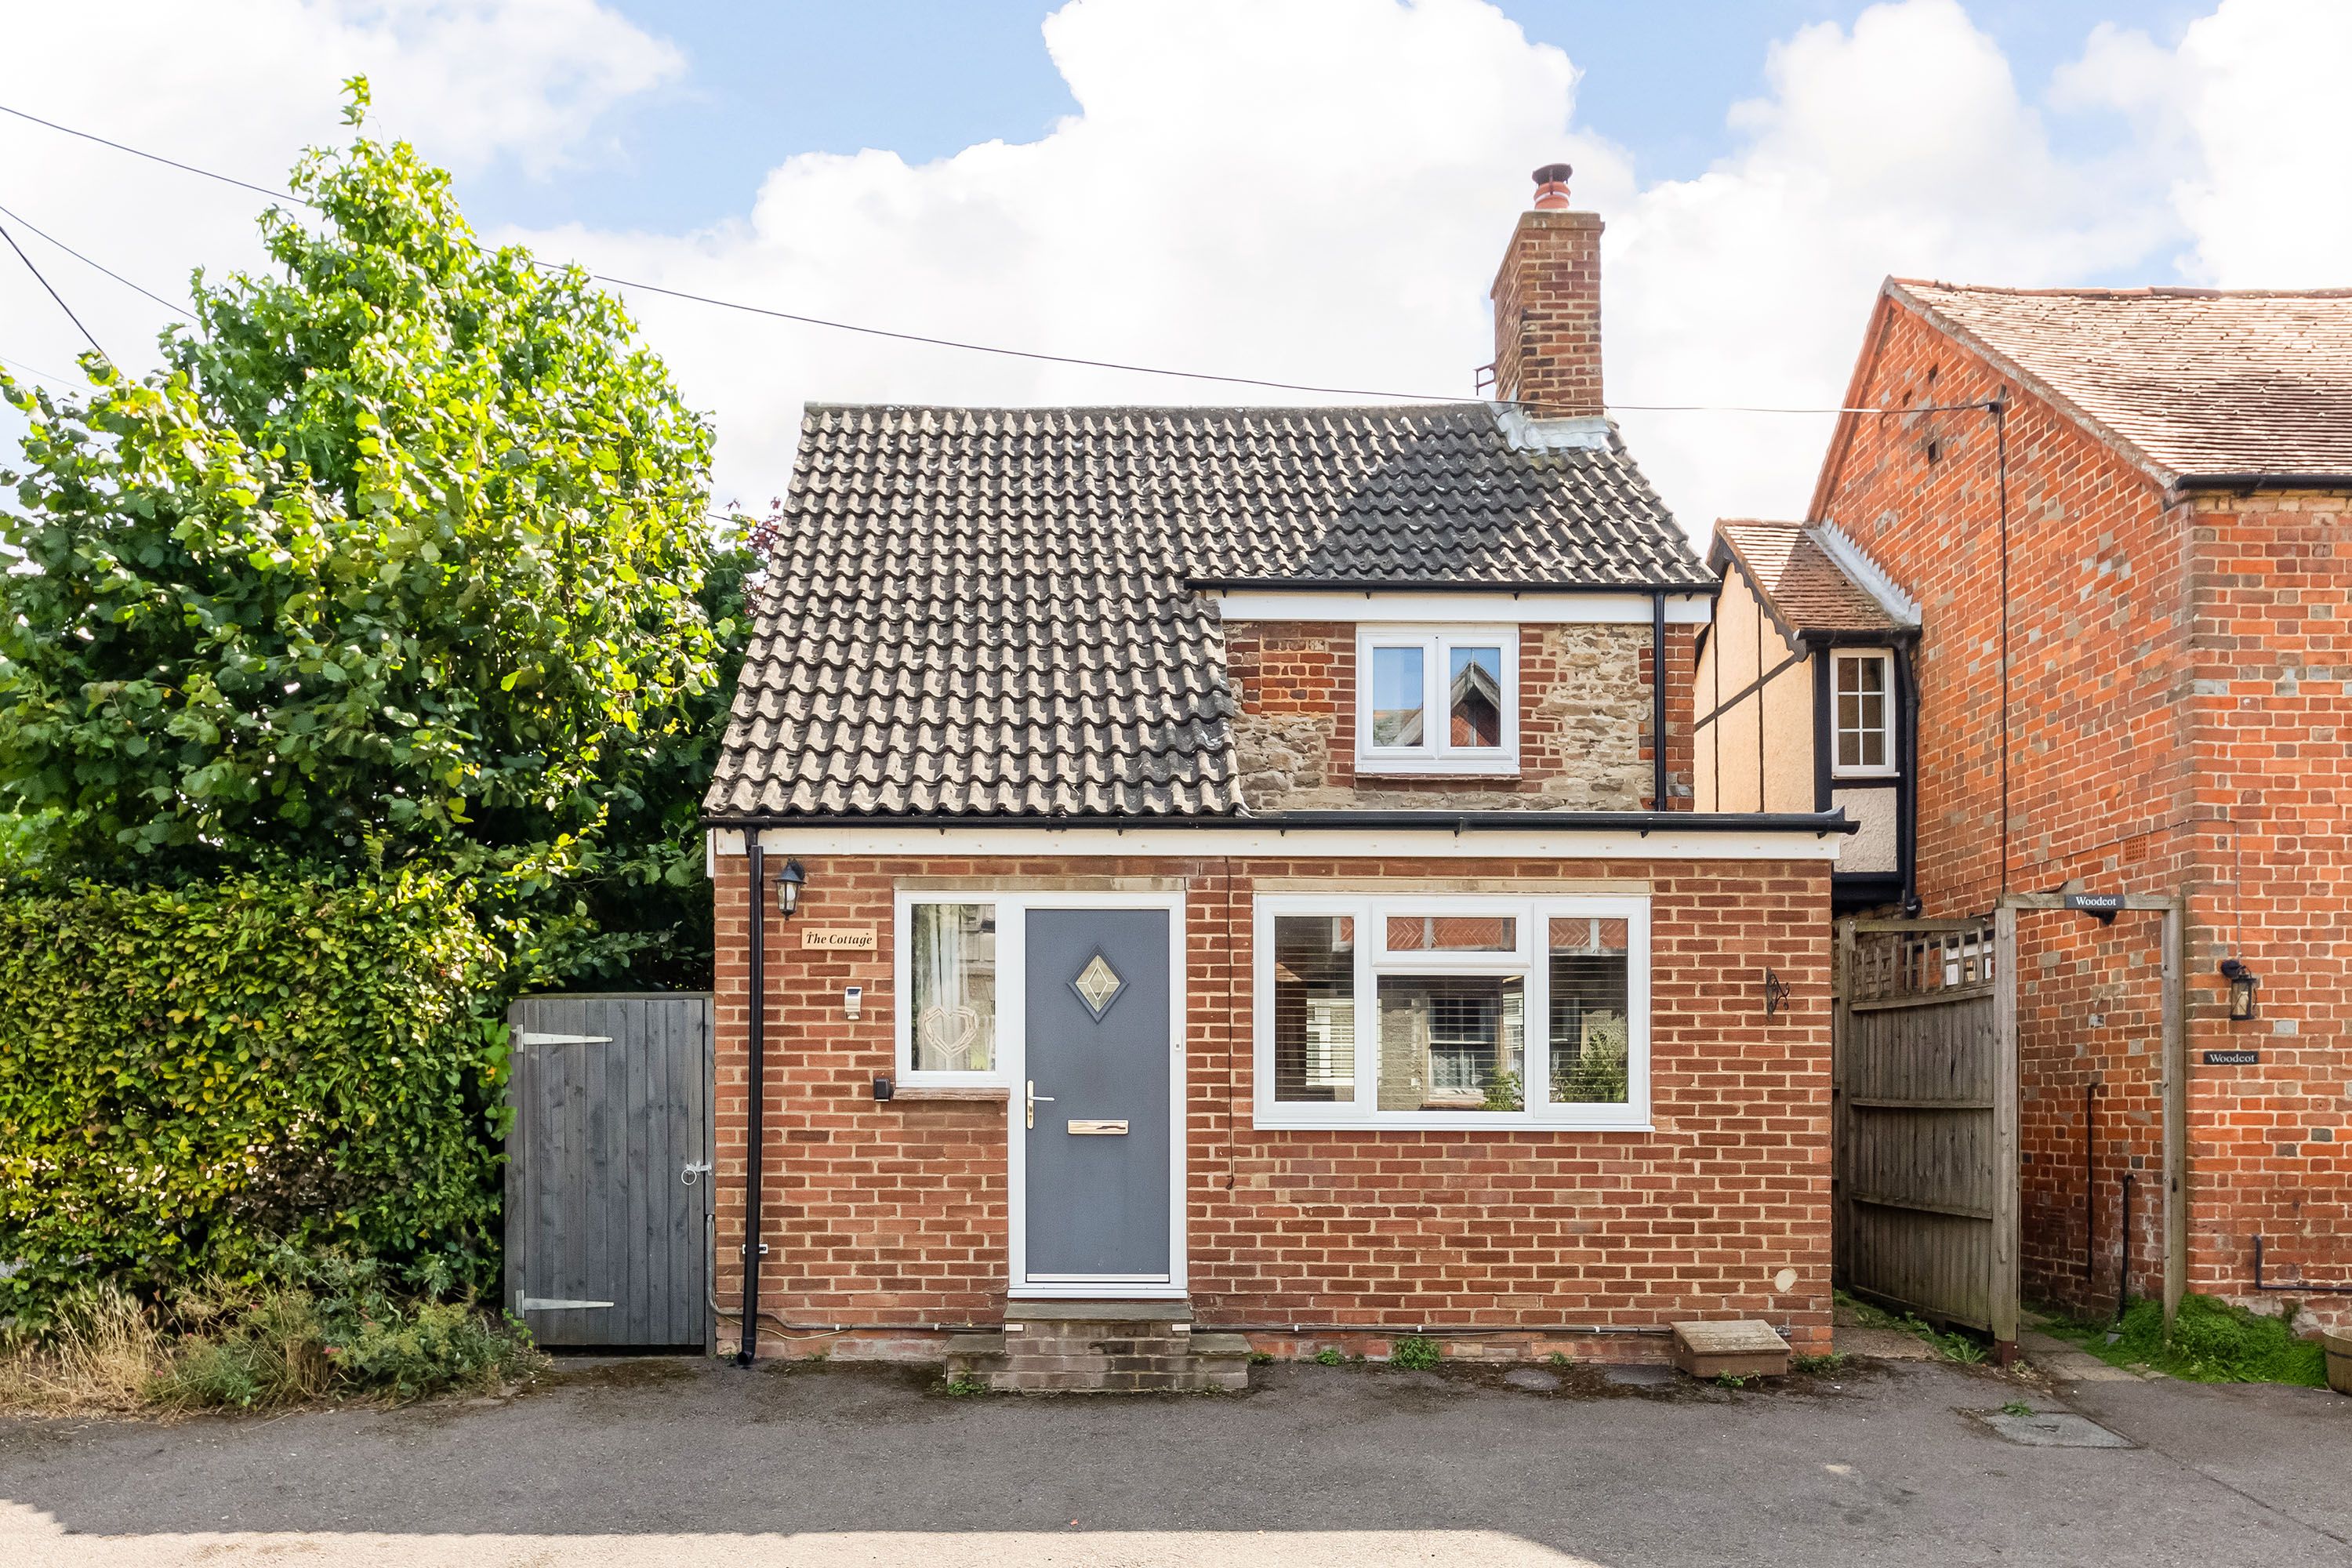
<point>1102,1347</point>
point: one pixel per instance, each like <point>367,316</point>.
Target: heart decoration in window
<point>947,1035</point>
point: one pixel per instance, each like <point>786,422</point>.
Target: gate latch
<point>690,1174</point>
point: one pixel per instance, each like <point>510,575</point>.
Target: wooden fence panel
<point>1918,1121</point>
<point>608,1184</point>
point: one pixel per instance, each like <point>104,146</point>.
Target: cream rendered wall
<point>1757,755</point>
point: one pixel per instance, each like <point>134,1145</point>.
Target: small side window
<point>1861,714</point>
<point>950,959</point>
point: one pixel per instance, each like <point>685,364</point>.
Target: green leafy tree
<point>405,554</point>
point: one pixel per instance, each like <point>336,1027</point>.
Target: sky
<point>1311,191</point>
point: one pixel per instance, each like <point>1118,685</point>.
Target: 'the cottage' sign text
<point>839,939</point>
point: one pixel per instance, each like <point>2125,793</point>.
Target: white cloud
<point>240,88</point>
<point>1305,190</point>
<point>2244,121</point>
<point>1319,190</point>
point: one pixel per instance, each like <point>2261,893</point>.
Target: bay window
<point>1446,1011</point>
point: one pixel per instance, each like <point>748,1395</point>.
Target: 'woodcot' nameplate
<point>839,939</point>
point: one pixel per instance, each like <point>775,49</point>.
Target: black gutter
<point>1390,585</point>
<point>2262,481</point>
<point>754,1165</point>
<point>1658,700</point>
<point>1642,822</point>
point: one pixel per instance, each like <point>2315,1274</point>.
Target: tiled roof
<point>1804,586</point>
<point>2199,382</point>
<point>987,611</point>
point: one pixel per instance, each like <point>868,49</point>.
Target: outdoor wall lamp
<point>2242,986</point>
<point>788,887</point>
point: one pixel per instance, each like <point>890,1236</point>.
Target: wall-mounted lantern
<point>788,887</point>
<point>2242,986</point>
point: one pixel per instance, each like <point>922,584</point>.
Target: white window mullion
<point>1368,1012</point>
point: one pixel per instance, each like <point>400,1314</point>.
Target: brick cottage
<point>2096,616</point>
<point>1231,872</point>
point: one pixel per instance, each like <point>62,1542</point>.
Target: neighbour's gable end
<point>2187,386</point>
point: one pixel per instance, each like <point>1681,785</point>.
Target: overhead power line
<point>997,349</point>
<point>85,261</point>
<point>52,292</point>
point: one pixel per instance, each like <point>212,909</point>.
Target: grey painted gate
<point>1098,1152</point>
<point>1924,1122</point>
<point>608,1183</point>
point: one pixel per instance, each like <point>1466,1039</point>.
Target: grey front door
<point>1101,1054</point>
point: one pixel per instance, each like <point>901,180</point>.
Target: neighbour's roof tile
<point>1804,585</point>
<point>2199,382</point>
<point>989,611</point>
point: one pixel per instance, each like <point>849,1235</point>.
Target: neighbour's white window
<point>1861,709</point>
<point>1453,1011</point>
<point>1437,700</point>
<point>947,955</point>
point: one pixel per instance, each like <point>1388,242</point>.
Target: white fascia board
<point>1546,843</point>
<point>1482,608</point>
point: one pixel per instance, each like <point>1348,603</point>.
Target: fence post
<point>2176,1114</point>
<point>2003,1290</point>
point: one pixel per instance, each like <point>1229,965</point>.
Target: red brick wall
<point>897,1212</point>
<point>2272,655</point>
<point>2148,698</point>
<point>1583,734</point>
<point>1546,299</point>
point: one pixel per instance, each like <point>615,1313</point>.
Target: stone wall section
<point>1585,721</point>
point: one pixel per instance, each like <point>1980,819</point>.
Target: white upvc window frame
<point>1010,958</point>
<point>1885,659</point>
<point>1437,753</point>
<point>1529,961</point>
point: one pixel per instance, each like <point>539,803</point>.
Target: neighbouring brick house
<point>1241,865</point>
<point>2172,562</point>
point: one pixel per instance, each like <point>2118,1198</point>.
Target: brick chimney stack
<point>1547,306</point>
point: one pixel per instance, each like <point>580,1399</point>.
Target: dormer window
<point>1863,711</point>
<point>1441,699</point>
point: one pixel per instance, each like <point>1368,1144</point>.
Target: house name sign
<point>839,939</point>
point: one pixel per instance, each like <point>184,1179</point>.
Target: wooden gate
<point>1924,1124</point>
<point>608,1168</point>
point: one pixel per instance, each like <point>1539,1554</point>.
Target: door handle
<point>1036,1099</point>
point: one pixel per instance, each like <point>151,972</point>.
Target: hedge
<point>189,1076</point>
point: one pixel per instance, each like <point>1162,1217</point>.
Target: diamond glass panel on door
<point>1097,986</point>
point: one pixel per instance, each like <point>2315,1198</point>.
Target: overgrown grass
<point>2212,1342</point>
<point>101,1352</point>
<point>1951,1347</point>
<point>317,1328</point>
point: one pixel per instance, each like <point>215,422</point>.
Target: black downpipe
<point>2293,1289</point>
<point>756,1130</point>
<point>2123,1280</point>
<point>1658,700</point>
